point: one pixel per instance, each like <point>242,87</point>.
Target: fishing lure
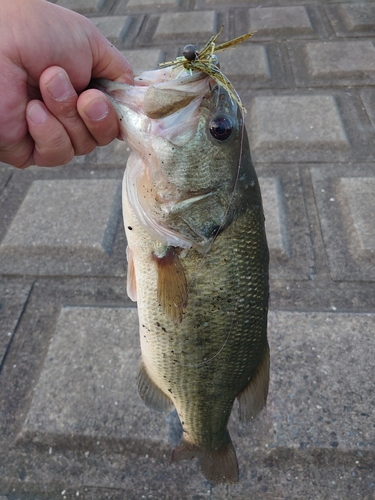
<point>205,60</point>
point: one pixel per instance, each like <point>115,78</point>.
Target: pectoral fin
<point>253,398</point>
<point>131,285</point>
<point>172,285</point>
<point>151,394</point>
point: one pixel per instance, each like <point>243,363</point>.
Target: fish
<point>197,258</point>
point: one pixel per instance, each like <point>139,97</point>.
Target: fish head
<point>190,150</point>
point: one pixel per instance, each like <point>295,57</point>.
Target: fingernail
<point>37,114</point>
<point>97,109</point>
<point>59,87</point>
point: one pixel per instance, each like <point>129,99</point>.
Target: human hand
<point>50,53</point>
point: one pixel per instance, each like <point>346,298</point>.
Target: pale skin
<point>48,56</point>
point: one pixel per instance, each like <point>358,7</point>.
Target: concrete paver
<point>352,19</point>
<point>71,422</point>
<point>114,28</point>
<point>345,200</point>
<point>279,21</point>
<point>83,6</point>
<point>49,234</point>
<point>175,27</point>
<point>338,63</point>
<point>309,136</point>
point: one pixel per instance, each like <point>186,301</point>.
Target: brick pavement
<point>71,423</point>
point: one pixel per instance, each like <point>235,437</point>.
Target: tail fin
<point>219,466</point>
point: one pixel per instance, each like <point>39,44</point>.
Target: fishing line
<point>201,262</point>
<point>202,363</point>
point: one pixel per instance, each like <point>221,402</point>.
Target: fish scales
<point>197,261</point>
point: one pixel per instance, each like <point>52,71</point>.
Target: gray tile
<point>368,99</point>
<point>6,172</point>
<point>246,61</point>
<point>352,19</point>
<point>144,59</point>
<point>345,200</point>
<point>87,388</point>
<point>114,154</point>
<point>280,21</point>
<point>196,26</point>
<point>62,226</point>
<point>127,6</point>
<point>315,366</point>
<point>274,213</point>
<point>83,6</point>
<point>291,255</point>
<point>291,128</point>
<point>339,63</point>
<point>13,296</point>
<point>114,28</point>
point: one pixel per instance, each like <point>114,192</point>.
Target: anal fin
<point>151,394</point>
<point>253,398</point>
<point>218,466</point>
<point>172,285</point>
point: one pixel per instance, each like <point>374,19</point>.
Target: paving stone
<point>196,26</point>
<point>114,28</point>
<point>13,296</point>
<point>287,226</point>
<point>346,201</point>
<point>368,99</point>
<point>87,387</point>
<point>144,60</point>
<point>339,63</point>
<point>359,196</point>
<point>291,128</point>
<point>275,216</point>
<point>126,6</point>
<point>83,6</point>
<point>61,226</point>
<point>315,366</point>
<point>248,62</point>
<point>116,153</point>
<point>280,21</point>
<point>352,19</point>
<point>314,360</point>
<point>6,172</point>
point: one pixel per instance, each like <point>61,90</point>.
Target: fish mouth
<point>156,94</point>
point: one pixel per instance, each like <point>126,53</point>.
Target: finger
<point>108,62</point>
<point>18,153</point>
<point>15,143</point>
<point>52,143</point>
<point>61,100</point>
<point>99,116</point>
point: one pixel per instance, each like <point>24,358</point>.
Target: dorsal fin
<point>172,285</point>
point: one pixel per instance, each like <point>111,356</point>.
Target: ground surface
<point>71,422</point>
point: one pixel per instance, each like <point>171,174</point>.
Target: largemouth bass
<point>197,258</point>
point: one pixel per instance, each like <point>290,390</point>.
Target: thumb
<point>108,62</point>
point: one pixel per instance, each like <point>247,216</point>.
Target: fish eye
<point>221,127</point>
